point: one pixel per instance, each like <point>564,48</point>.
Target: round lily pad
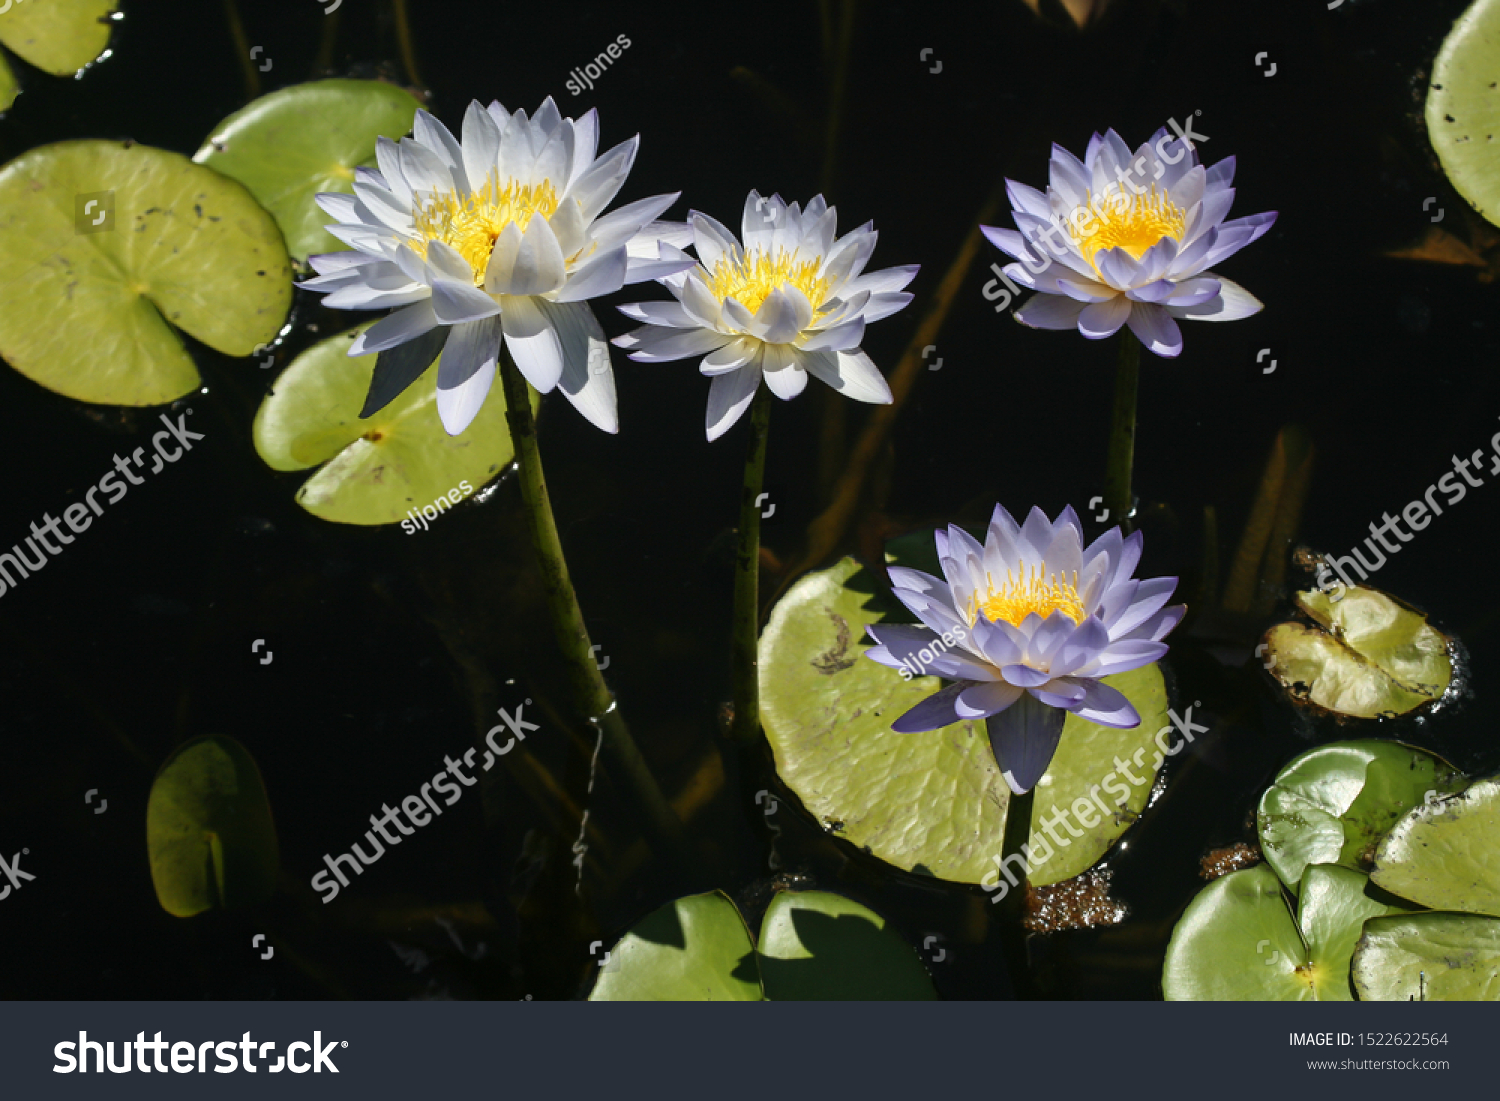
<point>1446,854</point>
<point>1332,804</point>
<point>377,470</point>
<point>817,946</point>
<point>1463,107</point>
<point>696,949</point>
<point>934,802</point>
<point>1332,910</point>
<point>104,247</point>
<point>209,834</point>
<point>290,145</point>
<point>1429,957</point>
<point>57,36</point>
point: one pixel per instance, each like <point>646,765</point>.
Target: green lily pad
<point>1429,957</point>
<point>1446,854</point>
<point>104,247</point>
<point>1332,910</point>
<point>8,86</point>
<point>1463,107</point>
<point>933,802</point>
<point>1368,656</point>
<point>290,145</point>
<point>817,946</point>
<point>209,834</point>
<point>1333,803</point>
<point>696,949</point>
<point>377,470</point>
<point>57,36</point>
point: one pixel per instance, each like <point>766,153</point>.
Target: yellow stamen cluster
<point>1019,597</point>
<point>752,278</point>
<point>472,224</point>
<point>1133,223</point>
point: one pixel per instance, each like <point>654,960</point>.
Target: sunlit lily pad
<point>1237,940</point>
<point>209,834</point>
<point>1463,107</point>
<point>1429,957</point>
<point>1332,804</point>
<point>376,470</point>
<point>932,802</point>
<point>57,36</point>
<point>1446,854</point>
<point>104,247</point>
<point>817,946</point>
<point>1367,656</point>
<point>814,946</point>
<point>289,145</point>
<point>696,949</point>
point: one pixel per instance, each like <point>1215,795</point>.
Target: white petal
<point>603,273</point>
<point>466,371</point>
<point>481,146</point>
<point>784,376</point>
<point>533,342</point>
<point>603,179</point>
<point>587,380</point>
<point>455,302</point>
<point>1050,311</point>
<point>1232,303</point>
<point>1101,319</point>
<point>729,397</point>
<point>852,374</point>
<point>731,357</point>
<point>403,325</point>
<point>1156,329</point>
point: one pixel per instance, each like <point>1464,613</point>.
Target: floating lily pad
<point>817,946</point>
<point>1463,107</point>
<point>1368,656</point>
<point>1429,957</point>
<point>1332,910</point>
<point>57,36</point>
<point>1332,804</point>
<point>8,86</point>
<point>104,247</point>
<point>288,146</point>
<point>376,470</point>
<point>933,802</point>
<point>1446,854</point>
<point>696,949</point>
<point>209,834</point>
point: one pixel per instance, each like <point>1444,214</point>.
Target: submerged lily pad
<point>1332,804</point>
<point>57,36</point>
<point>1367,657</point>
<point>933,802</point>
<point>1429,957</point>
<point>290,145</point>
<point>1463,107</point>
<point>1446,854</point>
<point>814,946</point>
<point>1237,940</point>
<point>209,834</point>
<point>376,470</point>
<point>104,247</point>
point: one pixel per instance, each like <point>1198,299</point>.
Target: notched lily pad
<point>376,470</point>
<point>1332,804</point>
<point>1463,107</point>
<point>934,799</point>
<point>1366,655</point>
<point>696,949</point>
<point>57,36</point>
<point>105,247</point>
<point>209,834</point>
<point>1445,854</point>
<point>292,144</point>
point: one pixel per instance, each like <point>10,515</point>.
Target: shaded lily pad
<point>1429,957</point>
<point>104,247</point>
<point>1463,107</point>
<point>817,946</point>
<point>209,834</point>
<point>1446,854</point>
<point>57,36</point>
<point>1332,804</point>
<point>936,800</point>
<point>1368,656</point>
<point>289,145</point>
<point>376,470</point>
<point>8,86</point>
<point>696,949</point>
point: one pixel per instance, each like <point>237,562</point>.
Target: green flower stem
<point>1012,907</point>
<point>747,579</point>
<point>590,692</point>
<point>1117,494</point>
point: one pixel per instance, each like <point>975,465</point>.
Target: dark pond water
<point>390,651</point>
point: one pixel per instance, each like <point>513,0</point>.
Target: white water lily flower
<point>497,235</point>
<point>1128,238</point>
<point>792,302</point>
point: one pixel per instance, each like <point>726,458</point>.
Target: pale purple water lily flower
<point>1025,626</point>
<point>1128,238</point>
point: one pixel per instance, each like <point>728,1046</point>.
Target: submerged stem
<point>590,693</point>
<point>1013,906</point>
<point>1118,497</point>
<point>747,578</point>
